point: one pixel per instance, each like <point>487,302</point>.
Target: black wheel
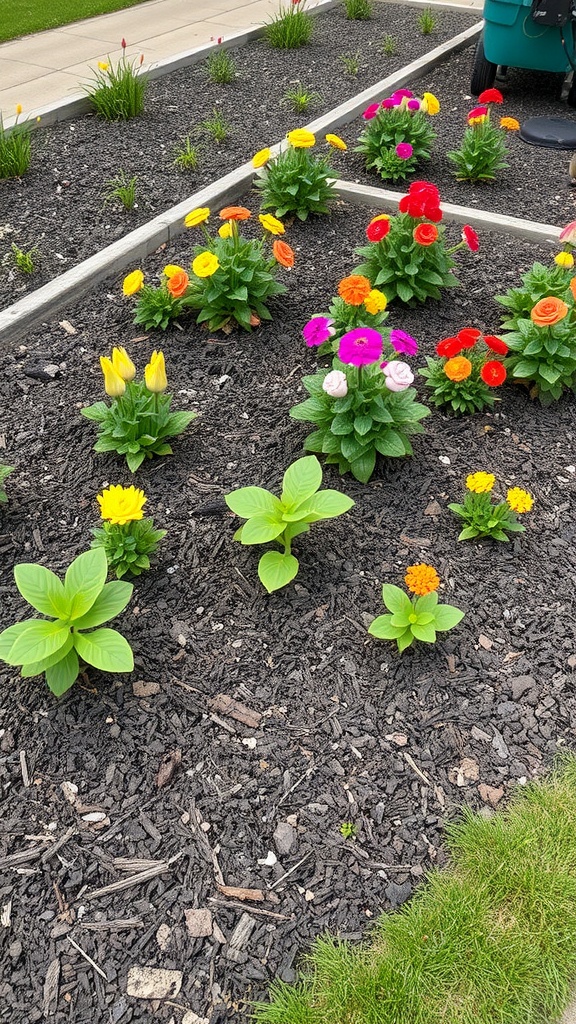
<point>571,97</point>
<point>483,71</point>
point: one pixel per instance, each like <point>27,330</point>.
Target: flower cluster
<point>465,383</point>
<point>483,149</point>
<point>127,537</point>
<point>297,182</point>
<point>397,135</point>
<point>483,517</point>
<point>417,618</point>
<point>543,354</point>
<point>357,304</point>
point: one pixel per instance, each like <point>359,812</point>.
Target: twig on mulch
<point>87,958</point>
<point>118,924</point>
<point>125,883</point>
<point>291,871</point>
<point>49,853</point>
<point>253,910</point>
<point>415,768</point>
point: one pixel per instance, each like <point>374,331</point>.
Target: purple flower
<point>360,347</point>
<point>371,111</point>
<point>398,375</point>
<point>413,104</point>
<point>404,150</point>
<point>402,342</point>
<point>318,330</point>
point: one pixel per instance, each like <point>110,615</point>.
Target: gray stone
<point>521,684</point>
<point>285,838</point>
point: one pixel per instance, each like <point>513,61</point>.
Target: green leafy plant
<point>348,829</point>
<point>157,307</point>
<point>296,182</point>
<point>300,98</point>
<point>53,645</point>
<point>427,21</point>
<point>543,349</point>
<point>25,260</point>
<point>126,537</point>
<point>138,422</point>
<point>419,617</point>
<point>483,149</point>
<point>356,305</point>
<point>280,520</point>
<point>4,472</point>
<point>186,155</point>
<point>15,147</point>
<point>484,518</point>
<point>538,283</point>
<point>216,126</point>
<point>351,63</point>
<point>290,28</point>
<point>397,134</point>
<point>358,10</point>
<point>123,189</point>
<point>389,45</point>
<point>465,383</point>
<point>221,67</point>
<point>117,92</point>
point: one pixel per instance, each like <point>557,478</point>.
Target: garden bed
<point>58,204</point>
<point>349,731</point>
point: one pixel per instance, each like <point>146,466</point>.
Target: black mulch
<point>349,731</point>
<point>57,205</point>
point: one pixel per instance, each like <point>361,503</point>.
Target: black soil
<point>349,731</point>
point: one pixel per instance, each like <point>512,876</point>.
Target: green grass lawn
<point>35,15</point>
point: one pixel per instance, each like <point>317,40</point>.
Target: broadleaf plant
<point>83,601</point>
<point>280,520</point>
<point>419,617</point>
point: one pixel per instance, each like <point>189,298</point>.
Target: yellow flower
<point>375,301</point>
<point>564,259</point>
<point>225,231</point>
<point>196,217</point>
<point>205,264</point>
<point>18,108</point>
<point>519,501</point>
<point>261,157</point>
<point>172,268</point>
<point>421,579</point>
<point>103,65</point>
<point>430,104</point>
<point>480,483</point>
<point>271,224</point>
<point>301,138</point>
<point>477,120</point>
<point>123,364</point>
<point>155,373</point>
<point>133,282</point>
<point>380,216</point>
<point>114,384</point>
<point>336,142</point>
<point>121,505</point>
<point>510,123</point>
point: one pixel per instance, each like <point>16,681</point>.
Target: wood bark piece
<point>168,766</point>
<point>239,939</point>
<point>51,983</point>
<point>153,983</point>
<point>239,893</point>
<point>125,883</point>
<point>229,706</point>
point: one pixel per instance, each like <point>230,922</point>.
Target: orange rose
<point>548,311</point>
<point>177,284</point>
<point>235,213</point>
<point>283,253</point>
<point>354,289</point>
<point>458,368</point>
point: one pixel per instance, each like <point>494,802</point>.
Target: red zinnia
<point>377,230</point>
<point>493,373</point>
<point>491,96</point>
<point>471,238</point>
<point>496,344</point>
<point>425,234</point>
<point>448,348</point>
<point>477,112</point>
<point>468,336</point>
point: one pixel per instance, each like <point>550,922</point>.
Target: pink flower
<point>123,43</point>
<point>360,347</point>
<point>318,330</point>
<point>400,93</point>
<point>335,384</point>
<point>413,104</point>
<point>404,150</point>
<point>471,238</point>
<point>477,112</point>
<point>398,375</point>
<point>371,111</point>
<point>402,342</point>
<point>568,234</point>
<point>388,104</point>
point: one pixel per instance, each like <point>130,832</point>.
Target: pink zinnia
<point>360,347</point>
<point>371,111</point>
<point>388,104</point>
<point>400,93</point>
<point>471,238</point>
<point>404,150</point>
<point>568,234</point>
<point>404,343</point>
<point>318,330</point>
<point>413,104</point>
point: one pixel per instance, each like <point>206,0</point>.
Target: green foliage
<point>348,829</point>
<point>296,183</point>
<point>389,45</point>
<point>221,67</point>
<point>25,260</point>
<point>358,10</point>
<point>15,149</point>
<point>538,283</point>
<point>280,520</point>
<point>156,307</point>
<point>369,420</point>
<point>383,133</point>
<point>123,189</point>
<point>463,396</point>
<point>290,28</point>
<point>417,618</point>
<point>346,318</point>
<point>351,63</point>
<point>427,21</point>
<point>21,19</point>
<point>300,98</point>
<point>128,546</point>
<point>117,92</point>
<point>186,155</point>
<point>216,126</point>
<point>544,357</point>
<point>4,472</point>
<point>137,424</point>
<point>482,153</point>
<point>83,601</point>
<point>484,518</point>
<point>402,268</point>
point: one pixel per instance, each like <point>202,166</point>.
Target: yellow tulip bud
<point>114,384</point>
<point>18,108</point>
<point>155,373</point>
<point>123,364</point>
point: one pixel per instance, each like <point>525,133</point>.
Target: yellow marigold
<point>430,103</point>
<point>480,482</point>
<point>196,217</point>
<point>172,268</point>
<point>261,157</point>
<point>271,224</point>
<point>225,230</point>
<point>510,124</point>
<point>133,282</point>
<point>205,264</point>
<point>519,500</point>
<point>421,579</point>
<point>301,138</point>
<point>121,505</point>
<point>458,368</point>
<point>336,142</point>
<point>564,259</point>
<point>375,301</point>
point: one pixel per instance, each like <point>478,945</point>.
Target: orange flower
<point>283,253</point>
<point>235,213</point>
<point>458,368</point>
<point>548,311</point>
<point>177,284</point>
<point>573,287</point>
<point>354,289</point>
<point>422,579</point>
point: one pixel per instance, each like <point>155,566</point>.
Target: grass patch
<point>489,940</point>
<point>35,15</point>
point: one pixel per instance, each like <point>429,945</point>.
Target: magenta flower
<point>388,103</point>
<point>404,343</point>
<point>404,150</point>
<point>413,104</point>
<point>371,111</point>
<point>403,92</point>
<point>568,234</point>
<point>318,330</point>
<point>360,347</point>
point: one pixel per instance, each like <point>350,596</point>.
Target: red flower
<point>425,234</point>
<point>477,112</point>
<point>496,344</point>
<point>422,201</point>
<point>419,187</point>
<point>123,43</point>
<point>449,347</point>
<point>468,336</point>
<point>471,238</point>
<point>377,230</point>
<point>491,96</point>
<point>493,373</point>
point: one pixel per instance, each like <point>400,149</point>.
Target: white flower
<point>398,375</point>
<point>335,384</point>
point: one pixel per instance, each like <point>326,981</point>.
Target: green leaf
<point>363,425</point>
<point>105,649</point>
<point>276,570</point>
<point>252,501</point>
<point>446,616</point>
<point>324,504</point>
<point>63,675</point>
<point>424,631</point>
<point>390,445</point>
<point>396,600</point>
<point>110,602</point>
<point>301,480</point>
<point>468,533</point>
<point>38,641</point>
<point>261,529</point>
<point>363,467</point>
<point>426,603</point>
<point>135,459</point>
<point>42,589</point>
<point>84,580</point>
<point>37,667</point>
<point>382,628</point>
<point>405,640</point>
<point>9,635</point>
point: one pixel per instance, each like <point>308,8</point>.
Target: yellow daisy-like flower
<point>375,301</point>
<point>519,500</point>
<point>421,579</point>
<point>430,104</point>
<point>271,224</point>
<point>103,65</point>
<point>564,259</point>
<point>196,217</point>
<point>172,268</point>
<point>121,505</point>
<point>510,124</point>
<point>480,483</point>
<point>225,230</point>
<point>261,157</point>
<point>336,142</point>
<point>133,282</point>
<point>301,138</point>
<point>205,264</point>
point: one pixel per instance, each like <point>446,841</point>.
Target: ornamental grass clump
<point>290,28</point>
<point>138,422</point>
<point>127,538</point>
<point>485,518</point>
<point>117,92</point>
<point>397,135</point>
<point>297,182</point>
<point>542,282</point>
<point>4,473</point>
<point>364,406</point>
<point>280,520</point>
<point>483,150</point>
<point>356,305</point>
<point>419,617</point>
<point>543,349</point>
<point>15,147</point>
<point>407,258</point>
<point>466,383</point>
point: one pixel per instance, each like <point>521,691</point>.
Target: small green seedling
<point>351,63</point>
<point>419,618</point>
<point>25,260</point>
<point>4,472</point>
<point>300,98</point>
<point>389,45</point>
<point>186,155</point>
<point>221,67</point>
<point>122,188</point>
<point>349,830</point>
<point>217,126</point>
<point>427,21</point>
